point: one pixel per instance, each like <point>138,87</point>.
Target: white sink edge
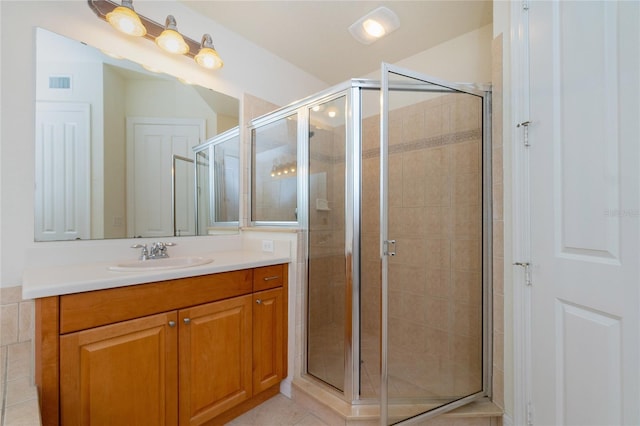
<point>160,264</point>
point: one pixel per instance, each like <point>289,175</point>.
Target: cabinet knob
<point>172,323</point>
<point>187,320</point>
<point>259,301</point>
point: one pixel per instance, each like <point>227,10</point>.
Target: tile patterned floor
<point>278,411</point>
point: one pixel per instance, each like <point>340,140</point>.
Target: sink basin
<point>160,264</point>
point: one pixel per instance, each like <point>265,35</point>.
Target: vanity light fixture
<point>207,56</point>
<point>374,25</point>
<point>124,19</point>
<point>171,40</point>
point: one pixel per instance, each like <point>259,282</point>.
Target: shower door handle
<point>390,248</point>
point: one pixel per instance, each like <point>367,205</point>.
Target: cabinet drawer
<point>268,277</point>
<point>91,309</point>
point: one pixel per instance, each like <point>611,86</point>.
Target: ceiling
<point>314,35</point>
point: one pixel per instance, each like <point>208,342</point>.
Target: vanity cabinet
<point>123,373</point>
<point>190,351</point>
<point>215,358</point>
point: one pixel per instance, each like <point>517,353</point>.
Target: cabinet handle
<point>275,277</point>
<point>187,320</point>
<point>259,301</point>
<point>172,323</point>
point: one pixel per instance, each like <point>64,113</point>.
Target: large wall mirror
<point>114,145</point>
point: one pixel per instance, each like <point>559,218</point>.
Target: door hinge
<point>525,5</point>
<point>529,414</point>
<point>525,126</point>
<point>527,271</point>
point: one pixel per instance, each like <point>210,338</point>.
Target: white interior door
<point>152,144</point>
<point>63,173</point>
<point>584,184</point>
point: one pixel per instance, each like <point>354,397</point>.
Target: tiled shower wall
<point>435,298</point>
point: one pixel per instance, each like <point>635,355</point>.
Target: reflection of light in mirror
<point>332,113</point>
<point>111,54</point>
<point>288,169</point>
<point>184,81</point>
<point>151,69</point>
<point>316,108</point>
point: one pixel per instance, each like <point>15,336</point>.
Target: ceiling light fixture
<point>207,56</point>
<point>124,19</point>
<point>374,25</point>
<point>171,40</point>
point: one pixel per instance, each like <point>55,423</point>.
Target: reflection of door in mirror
<point>184,215</point>
<point>152,143</point>
<point>62,171</point>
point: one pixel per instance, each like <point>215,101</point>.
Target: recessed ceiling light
<point>375,24</point>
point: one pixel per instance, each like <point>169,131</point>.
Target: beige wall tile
<point>9,324</point>
<point>26,320</point>
<point>466,189</point>
<point>19,360</point>
<point>466,255</point>
<point>438,282</point>
<point>20,390</point>
<point>10,295</point>
<point>467,286</point>
<point>25,414</point>
<point>496,159</point>
<point>466,157</point>
<point>3,371</point>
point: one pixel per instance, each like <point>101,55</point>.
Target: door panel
<point>121,374</point>
<point>214,338</point>
<point>268,339</point>
<point>434,320</point>
<point>584,163</point>
<point>62,194</point>
<point>152,144</point>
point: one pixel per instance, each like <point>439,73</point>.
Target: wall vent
<point>59,82</point>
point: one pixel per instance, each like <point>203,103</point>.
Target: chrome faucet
<point>158,250</point>
<point>144,253</point>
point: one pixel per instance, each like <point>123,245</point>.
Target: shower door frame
<point>353,90</point>
<point>483,91</point>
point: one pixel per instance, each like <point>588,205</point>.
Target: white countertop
<point>58,280</point>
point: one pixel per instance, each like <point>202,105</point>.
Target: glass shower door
<point>433,247</point>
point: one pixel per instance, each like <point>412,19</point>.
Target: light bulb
<point>373,28</point>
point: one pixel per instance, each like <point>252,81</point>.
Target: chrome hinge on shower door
<point>389,248</point>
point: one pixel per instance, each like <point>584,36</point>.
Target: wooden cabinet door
<point>121,374</point>
<point>268,339</point>
<point>215,358</point>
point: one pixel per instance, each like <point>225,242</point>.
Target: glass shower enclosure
<point>392,184</point>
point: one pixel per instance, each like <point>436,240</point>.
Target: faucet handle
<point>144,254</point>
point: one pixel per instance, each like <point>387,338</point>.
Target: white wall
<point>464,59</point>
<point>76,20</point>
